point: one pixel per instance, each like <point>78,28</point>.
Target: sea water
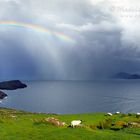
<point>76,96</point>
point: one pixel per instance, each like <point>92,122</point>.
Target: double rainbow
<point>37,28</point>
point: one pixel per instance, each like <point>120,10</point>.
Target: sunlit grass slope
<point>20,125</point>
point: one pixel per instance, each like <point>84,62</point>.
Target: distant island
<point>125,75</point>
<point>10,85</point>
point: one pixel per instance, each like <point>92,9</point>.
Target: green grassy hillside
<point>20,125</point>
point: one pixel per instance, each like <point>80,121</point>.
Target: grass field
<point>20,125</point>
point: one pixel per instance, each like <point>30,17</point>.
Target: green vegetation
<point>20,125</point>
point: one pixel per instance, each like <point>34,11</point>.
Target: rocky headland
<point>10,85</point>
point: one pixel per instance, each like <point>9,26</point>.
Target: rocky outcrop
<point>55,121</point>
<point>12,85</point>
<point>2,95</point>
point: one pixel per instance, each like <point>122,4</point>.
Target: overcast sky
<point>105,34</point>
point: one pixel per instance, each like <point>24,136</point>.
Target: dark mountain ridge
<point>125,75</point>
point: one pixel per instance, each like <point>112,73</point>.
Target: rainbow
<point>37,28</point>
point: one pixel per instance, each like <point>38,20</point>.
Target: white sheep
<point>118,112</point>
<point>13,116</point>
<point>138,113</point>
<point>110,114</point>
<point>75,123</point>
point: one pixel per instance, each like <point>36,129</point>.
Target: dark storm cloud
<point>105,44</point>
<point>16,62</point>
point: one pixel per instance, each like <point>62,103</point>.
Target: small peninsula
<point>12,85</point>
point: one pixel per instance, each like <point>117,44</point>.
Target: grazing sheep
<point>13,116</point>
<point>137,113</point>
<point>110,114</point>
<point>75,123</point>
<point>118,112</point>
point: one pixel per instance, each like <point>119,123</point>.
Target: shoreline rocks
<point>2,95</point>
<point>12,85</point>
